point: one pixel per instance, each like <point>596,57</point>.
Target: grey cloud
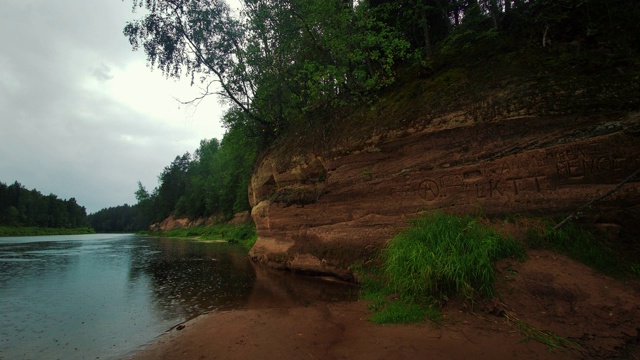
<point>102,72</point>
<point>55,134</point>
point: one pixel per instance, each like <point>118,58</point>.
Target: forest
<point>29,208</point>
<point>211,181</point>
<point>287,64</point>
<point>277,63</point>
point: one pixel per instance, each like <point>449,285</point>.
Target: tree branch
<point>197,52</point>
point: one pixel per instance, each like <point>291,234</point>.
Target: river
<point>105,295</point>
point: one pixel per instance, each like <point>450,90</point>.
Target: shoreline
<point>339,330</point>
<point>548,296</point>
<point>20,231</point>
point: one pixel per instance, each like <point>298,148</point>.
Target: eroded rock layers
<point>322,213</point>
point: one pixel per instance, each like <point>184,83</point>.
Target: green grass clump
<point>399,312</point>
<point>446,255</point>
<point>436,257</point>
<point>581,245</point>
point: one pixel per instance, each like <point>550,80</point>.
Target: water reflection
<point>102,296</point>
<point>189,278</point>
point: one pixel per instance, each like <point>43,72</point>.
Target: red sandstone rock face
<point>179,223</point>
<point>322,215</point>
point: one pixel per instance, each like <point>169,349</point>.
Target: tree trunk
<point>427,38</point>
<point>495,12</point>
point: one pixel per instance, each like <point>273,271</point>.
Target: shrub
<point>446,255</point>
<point>436,257</point>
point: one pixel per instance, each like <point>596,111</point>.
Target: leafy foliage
<point>212,182</point>
<point>118,219</point>
<point>276,59</point>
<point>583,246</point>
<point>22,207</point>
<point>437,257</point>
<point>278,62</point>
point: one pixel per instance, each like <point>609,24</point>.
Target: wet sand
<point>548,292</point>
<point>339,330</point>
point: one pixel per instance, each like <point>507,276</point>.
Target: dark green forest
<point>285,62</point>
<point>301,64</point>
<point>211,181</point>
<point>20,207</point>
<point>118,219</point>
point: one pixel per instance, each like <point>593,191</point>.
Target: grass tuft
<point>436,257</point>
<point>398,312</point>
<point>581,245</point>
<point>445,255</point>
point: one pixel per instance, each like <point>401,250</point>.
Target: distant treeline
<point>123,218</point>
<point>42,231</point>
<point>212,181</point>
<point>22,207</point>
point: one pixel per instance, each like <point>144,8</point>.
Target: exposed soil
<point>554,293</point>
<point>548,292</point>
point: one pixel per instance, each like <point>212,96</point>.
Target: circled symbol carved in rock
<point>428,190</point>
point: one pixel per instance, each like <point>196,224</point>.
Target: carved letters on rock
<point>324,213</point>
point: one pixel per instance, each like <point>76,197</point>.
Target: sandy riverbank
<point>548,292</point>
<point>339,330</point>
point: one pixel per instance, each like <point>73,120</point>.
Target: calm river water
<point>104,295</point>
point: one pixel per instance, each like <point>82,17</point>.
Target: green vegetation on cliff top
<point>325,76</point>
<point>309,69</point>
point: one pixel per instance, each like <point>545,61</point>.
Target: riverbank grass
<point>583,246</point>
<point>243,234</point>
<point>41,231</point>
<point>437,257</point>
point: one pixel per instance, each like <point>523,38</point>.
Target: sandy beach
<point>339,330</point>
<point>548,292</point>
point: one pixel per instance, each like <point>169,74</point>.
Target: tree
<point>123,218</point>
<point>22,207</point>
<point>199,39</point>
<point>275,61</point>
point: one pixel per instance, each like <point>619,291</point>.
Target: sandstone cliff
<point>180,223</point>
<point>325,209</point>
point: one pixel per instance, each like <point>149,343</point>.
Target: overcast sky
<point>81,114</point>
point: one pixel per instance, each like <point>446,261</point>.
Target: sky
<point>81,113</point>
